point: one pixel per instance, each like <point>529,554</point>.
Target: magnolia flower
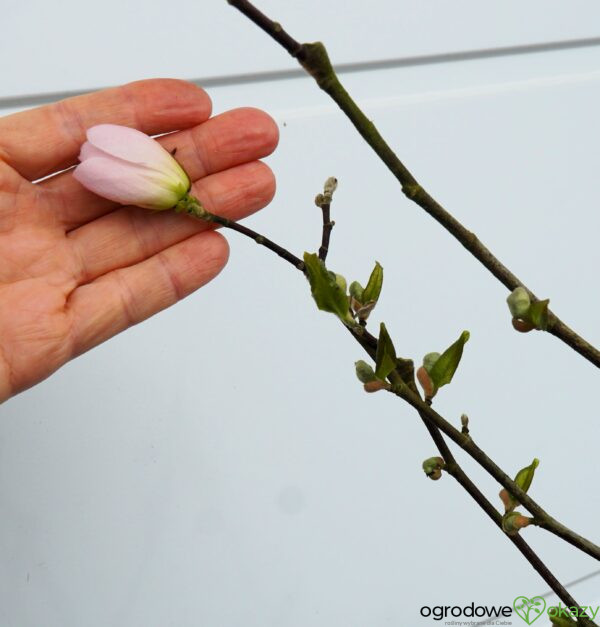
<point>128,167</point>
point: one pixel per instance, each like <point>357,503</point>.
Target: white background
<point>219,465</point>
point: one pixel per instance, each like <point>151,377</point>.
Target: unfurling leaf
<point>325,288</point>
<point>385,359</point>
<point>527,315</point>
<point>373,290</point>
<point>525,475</point>
<point>523,480</point>
<point>446,364</point>
<point>538,314</point>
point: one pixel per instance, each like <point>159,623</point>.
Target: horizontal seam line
<point>24,100</point>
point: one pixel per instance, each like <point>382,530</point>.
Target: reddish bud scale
<point>426,382</point>
<point>376,386</point>
<point>522,326</point>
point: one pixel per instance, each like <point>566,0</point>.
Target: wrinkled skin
<point>76,269</point>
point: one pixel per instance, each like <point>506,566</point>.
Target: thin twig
<point>369,343</point>
<point>542,518</point>
<point>327,227</point>
<point>260,239</point>
<point>467,444</point>
<point>434,423</point>
<point>314,59</point>
<point>454,469</point>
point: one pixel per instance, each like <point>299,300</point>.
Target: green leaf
<point>385,359</point>
<point>373,289</point>
<point>325,289</point>
<point>538,314</point>
<point>525,475</point>
<point>444,368</point>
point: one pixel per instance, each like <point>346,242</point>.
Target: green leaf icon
<point>445,366</point>
<point>529,610</point>
<point>385,359</point>
<point>326,290</point>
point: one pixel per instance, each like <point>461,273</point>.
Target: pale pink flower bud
<point>130,168</point>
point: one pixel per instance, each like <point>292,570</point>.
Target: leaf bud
<point>357,291</point>
<point>426,382</point>
<point>329,187</point>
<point>433,467</point>
<point>507,500</point>
<point>519,302</point>
<point>513,522</point>
<point>429,360</point>
<point>364,371</point>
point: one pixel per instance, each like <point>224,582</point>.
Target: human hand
<point>76,269</point>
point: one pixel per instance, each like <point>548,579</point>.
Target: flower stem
<point>192,206</point>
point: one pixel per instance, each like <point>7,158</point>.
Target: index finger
<point>47,139</point>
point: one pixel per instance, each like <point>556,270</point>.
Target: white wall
<point>219,464</point>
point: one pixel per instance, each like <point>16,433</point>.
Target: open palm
<point>75,269</point>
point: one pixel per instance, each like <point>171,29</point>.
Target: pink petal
<point>131,145</point>
<point>89,150</point>
<point>125,183</point>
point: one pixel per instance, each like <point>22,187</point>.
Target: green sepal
<point>538,314</point>
<point>373,288</point>
<point>325,288</point>
<point>445,366</point>
<point>385,358</point>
